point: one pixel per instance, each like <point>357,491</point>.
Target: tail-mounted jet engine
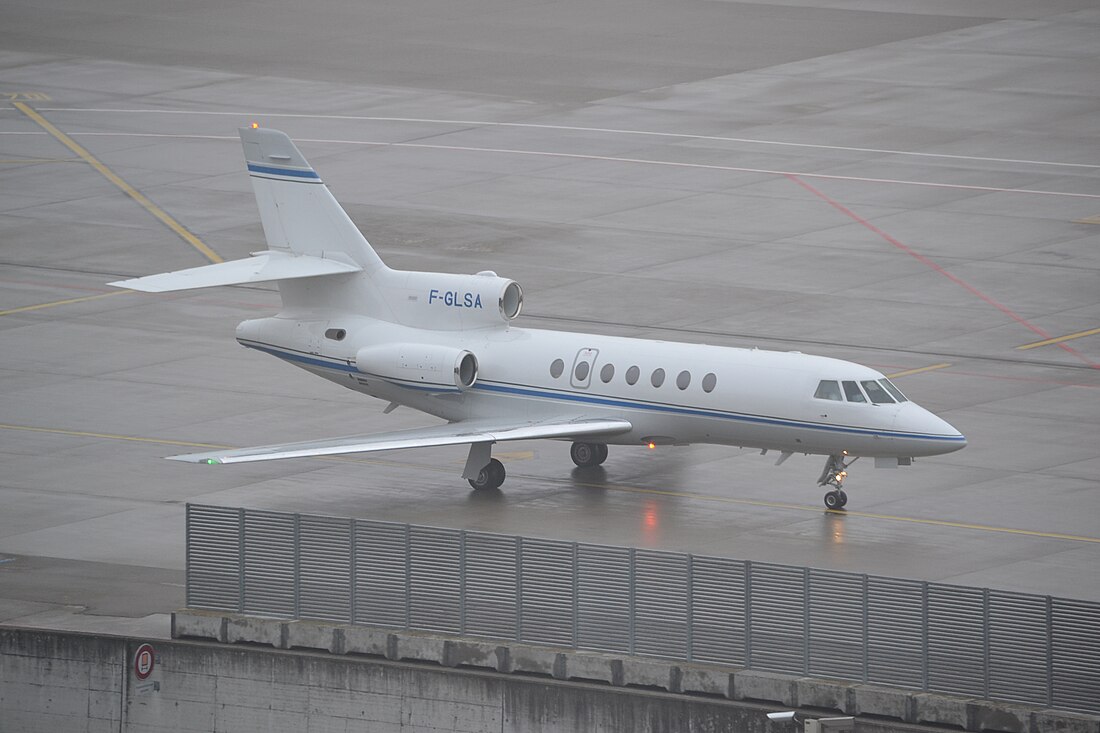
<point>447,302</point>
<point>424,365</point>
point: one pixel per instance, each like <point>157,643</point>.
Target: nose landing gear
<point>834,474</point>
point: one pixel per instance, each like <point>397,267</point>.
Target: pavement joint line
<point>1059,339</point>
<point>67,301</point>
<point>918,370</point>
<point>163,216</point>
<point>615,487</point>
<point>576,128</point>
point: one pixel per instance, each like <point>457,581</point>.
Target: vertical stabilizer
<point>298,212</point>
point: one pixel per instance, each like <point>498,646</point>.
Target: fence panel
<point>603,598</point>
<point>491,580</point>
<point>548,595</point>
<point>435,579</point>
<point>956,640</point>
<point>836,638</point>
<point>324,567</point>
<point>660,604</point>
<point>381,574</point>
<point>213,557</point>
<point>719,614</point>
<point>269,564</point>
<point>1018,653</point>
<point>778,618</point>
<point>895,632</point>
<point>1075,643</point>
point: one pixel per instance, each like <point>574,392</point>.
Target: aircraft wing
<point>457,433</point>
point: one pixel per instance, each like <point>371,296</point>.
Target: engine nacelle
<point>447,302</point>
<point>419,364</point>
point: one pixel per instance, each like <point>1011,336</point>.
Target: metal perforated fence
<point>794,620</point>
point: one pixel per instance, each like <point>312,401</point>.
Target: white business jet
<point>444,344</point>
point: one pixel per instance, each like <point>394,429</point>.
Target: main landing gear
<point>489,477</point>
<point>836,470</point>
<point>587,455</point>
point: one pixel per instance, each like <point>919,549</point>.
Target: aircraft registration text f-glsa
<point>445,344</point>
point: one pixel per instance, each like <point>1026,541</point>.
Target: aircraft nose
<point>939,435</point>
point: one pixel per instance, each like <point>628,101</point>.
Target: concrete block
<point>750,684</point>
<point>255,630</point>
<point>537,660</point>
<point>362,640</point>
<point>469,653</point>
<point>593,667</point>
<point>824,694</point>
<point>999,716</point>
<point>1056,721</point>
<point>941,709</point>
<point>199,625</point>
<point>419,647</point>
<point>706,681</point>
<point>883,702</point>
<point>650,673</point>
<point>310,635</point>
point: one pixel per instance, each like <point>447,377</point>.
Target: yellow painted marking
<point>1088,220</point>
<point>918,370</point>
<point>125,187</point>
<point>517,455</point>
<point>1060,339</point>
<point>18,161</point>
<point>67,301</point>
<point>27,96</point>
<point>617,487</point>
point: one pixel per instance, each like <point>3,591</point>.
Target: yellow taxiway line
<point>67,301</point>
<point>1060,339</point>
<point>620,487</point>
<point>125,187</point>
<point>918,370</point>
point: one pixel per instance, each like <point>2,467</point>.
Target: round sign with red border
<point>144,661</point>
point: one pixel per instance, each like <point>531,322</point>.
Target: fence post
<point>297,565</point>
<point>806,621</point>
<point>866,629</point>
<point>690,615</point>
<point>1050,651</point>
<point>240,560</point>
<point>519,589</point>
<point>632,591</point>
<point>924,635</point>
<point>985,643</point>
<point>353,576</point>
<point>748,613</point>
<point>462,581</point>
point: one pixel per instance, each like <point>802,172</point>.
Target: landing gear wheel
<point>489,477</point>
<point>834,500</point>
<point>843,498</point>
<point>587,455</point>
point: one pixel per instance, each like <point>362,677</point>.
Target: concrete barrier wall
<point>58,681</point>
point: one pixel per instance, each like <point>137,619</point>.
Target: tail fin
<point>299,214</point>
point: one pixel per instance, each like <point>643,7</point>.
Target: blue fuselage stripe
<point>587,399</point>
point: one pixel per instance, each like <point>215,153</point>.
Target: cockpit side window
<point>851,391</point>
<point>877,394</point>
<point>828,389</point>
<point>894,391</point>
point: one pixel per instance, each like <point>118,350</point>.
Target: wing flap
<point>460,433</point>
<point>263,267</point>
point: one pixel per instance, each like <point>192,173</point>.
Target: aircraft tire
<point>843,499</point>
<point>490,477</point>
<point>585,455</point>
<point>601,453</point>
<point>833,501</point>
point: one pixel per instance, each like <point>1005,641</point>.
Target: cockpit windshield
<point>880,391</point>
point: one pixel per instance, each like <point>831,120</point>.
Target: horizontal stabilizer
<point>263,267</point>
<point>459,433</point>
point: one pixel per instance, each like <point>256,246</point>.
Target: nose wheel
<point>836,470</point>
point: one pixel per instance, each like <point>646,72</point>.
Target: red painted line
<point>932,265</point>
